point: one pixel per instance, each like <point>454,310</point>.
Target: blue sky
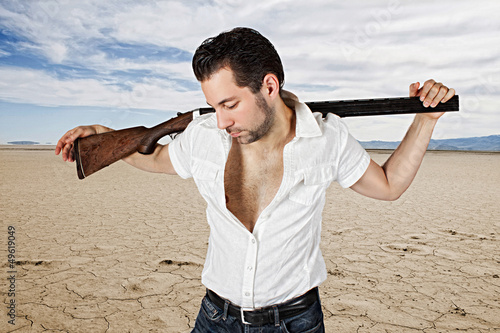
<point>127,63</point>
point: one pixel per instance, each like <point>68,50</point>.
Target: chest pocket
<point>205,176</point>
<point>312,186</point>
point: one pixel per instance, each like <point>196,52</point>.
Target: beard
<point>261,129</point>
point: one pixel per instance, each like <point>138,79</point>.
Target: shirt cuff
<point>357,172</point>
<point>179,169</point>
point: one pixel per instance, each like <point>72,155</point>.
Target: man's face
<point>244,115</point>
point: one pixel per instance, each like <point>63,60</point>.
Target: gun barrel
<point>381,106</point>
<point>373,107</point>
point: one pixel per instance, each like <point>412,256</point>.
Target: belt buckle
<point>242,312</point>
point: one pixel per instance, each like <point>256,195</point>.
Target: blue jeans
<point>212,319</point>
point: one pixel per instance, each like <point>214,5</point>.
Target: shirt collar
<point>306,124</point>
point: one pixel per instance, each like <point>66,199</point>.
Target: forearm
<point>143,162</point>
<point>391,180</point>
<point>99,129</point>
<point>402,166</point>
<point>157,162</point>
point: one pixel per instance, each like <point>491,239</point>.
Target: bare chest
<point>251,182</point>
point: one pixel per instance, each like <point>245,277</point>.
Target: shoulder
<point>201,126</point>
<point>208,121</point>
<point>335,135</point>
<point>332,125</point>
<point>200,141</point>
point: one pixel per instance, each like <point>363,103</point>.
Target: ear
<point>270,86</point>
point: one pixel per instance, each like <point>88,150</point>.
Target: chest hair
<point>251,181</point>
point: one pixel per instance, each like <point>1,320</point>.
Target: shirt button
<point>249,268</point>
<point>247,294</point>
<point>253,241</point>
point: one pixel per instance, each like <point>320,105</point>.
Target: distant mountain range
<point>482,143</point>
<point>23,143</point>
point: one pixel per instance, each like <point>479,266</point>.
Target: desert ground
<point>123,250</point>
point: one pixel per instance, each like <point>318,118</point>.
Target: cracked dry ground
<point>122,251</point>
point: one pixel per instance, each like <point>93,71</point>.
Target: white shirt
<point>281,259</point>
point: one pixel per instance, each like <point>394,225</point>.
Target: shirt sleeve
<point>353,159</point>
<point>179,151</point>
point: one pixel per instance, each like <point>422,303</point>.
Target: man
<point>263,162</point>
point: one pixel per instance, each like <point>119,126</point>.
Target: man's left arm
<point>390,181</point>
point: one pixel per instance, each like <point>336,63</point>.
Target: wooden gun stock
<point>94,152</point>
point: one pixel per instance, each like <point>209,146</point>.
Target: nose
<point>223,119</point>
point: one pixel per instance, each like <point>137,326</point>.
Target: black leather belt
<point>265,315</point>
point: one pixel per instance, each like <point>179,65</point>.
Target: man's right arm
<point>159,161</point>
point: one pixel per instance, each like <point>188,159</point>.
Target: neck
<point>282,130</point>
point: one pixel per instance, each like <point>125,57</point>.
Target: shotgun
<point>94,152</point>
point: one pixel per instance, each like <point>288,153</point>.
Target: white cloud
<point>330,49</point>
<point>56,52</point>
<point>37,87</point>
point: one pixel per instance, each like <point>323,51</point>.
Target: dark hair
<point>245,51</point>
